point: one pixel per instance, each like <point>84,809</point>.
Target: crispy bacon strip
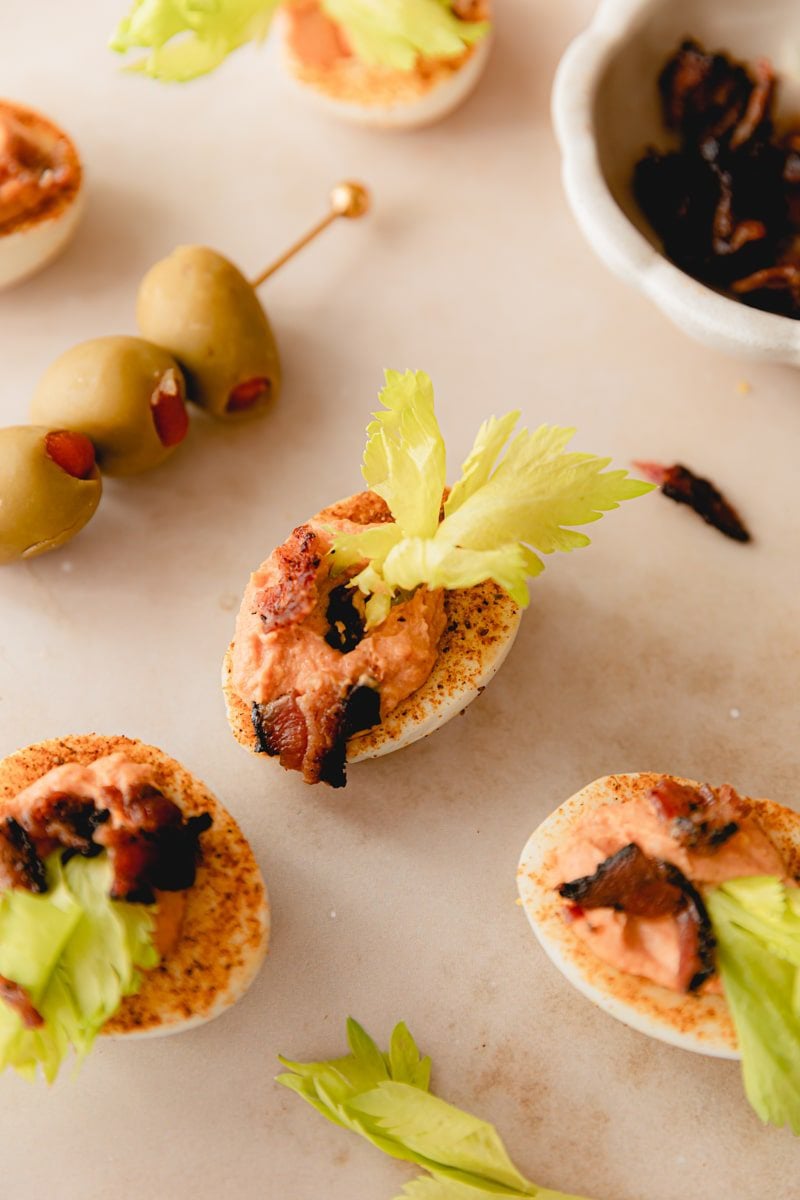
<point>20,864</point>
<point>699,819</point>
<point>785,277</point>
<point>282,732</point>
<point>17,998</point>
<point>758,104</point>
<point>703,95</point>
<point>632,883</point>
<point>150,844</point>
<point>293,599</point>
<point>683,486</point>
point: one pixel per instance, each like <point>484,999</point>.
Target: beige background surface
<point>663,647</point>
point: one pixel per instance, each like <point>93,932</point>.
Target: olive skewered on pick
<point>126,394</point>
<point>200,307</point>
<point>49,487</point>
<point>118,403</point>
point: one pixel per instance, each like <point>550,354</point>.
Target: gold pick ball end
<point>350,200</point>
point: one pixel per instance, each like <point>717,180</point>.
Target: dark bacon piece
<point>360,710</point>
<point>293,599</point>
<point>703,95</point>
<point>281,731</point>
<point>17,998</point>
<point>776,289</point>
<point>20,865</point>
<point>630,882</point>
<point>698,818</point>
<point>153,848</point>
<point>150,845</point>
<point>683,486</point>
<point>62,820</point>
<point>346,622</point>
<point>756,115</point>
<point>726,203</point>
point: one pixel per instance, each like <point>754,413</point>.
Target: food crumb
<point>744,387</point>
<point>735,713</point>
<point>67,566</point>
<point>333,914</point>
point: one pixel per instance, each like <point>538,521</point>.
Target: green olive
<point>122,392</point>
<point>203,310</point>
<point>49,488</point>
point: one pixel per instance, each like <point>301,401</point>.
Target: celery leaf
<point>187,38</point>
<point>396,33</point>
<point>757,926</point>
<point>385,1098</point>
<point>77,953</point>
<point>499,513</point>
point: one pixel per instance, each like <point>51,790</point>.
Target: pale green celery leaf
<point>536,491</point>
<point>760,980</point>
<point>438,1131</point>
<point>438,564</point>
<point>489,441</point>
<point>34,930</point>
<point>187,38</point>
<point>342,1078</point>
<point>76,952</point>
<point>493,518</point>
<point>371,545</point>
<point>764,906</point>
<point>370,582</point>
<point>405,1063</point>
<point>151,23</point>
<point>395,33</point>
<point>377,609</point>
<point>404,459</point>
<point>365,1052</point>
<point>464,1155</point>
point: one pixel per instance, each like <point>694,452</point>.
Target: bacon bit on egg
<point>683,486</point>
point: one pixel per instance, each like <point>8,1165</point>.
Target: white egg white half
<point>25,251</point>
<point>701,1023</point>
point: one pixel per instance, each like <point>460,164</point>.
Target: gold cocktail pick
<point>348,199</point>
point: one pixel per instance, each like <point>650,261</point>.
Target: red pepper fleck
<point>72,452</point>
<point>170,416</point>
<point>247,394</point>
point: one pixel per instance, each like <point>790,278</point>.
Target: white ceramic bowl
<point>606,112</point>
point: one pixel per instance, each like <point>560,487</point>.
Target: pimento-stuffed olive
<point>203,310</point>
<point>49,488</point>
<point>124,393</point>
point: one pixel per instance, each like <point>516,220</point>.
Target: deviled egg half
<point>675,907</point>
<point>387,63</point>
<point>381,617</point>
<point>391,65</point>
<point>41,191</point>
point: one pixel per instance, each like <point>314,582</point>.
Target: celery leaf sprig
<point>396,33</point>
<point>188,38</point>
<point>756,924</point>
<point>386,1099</point>
<point>77,953</point>
<point>493,516</point>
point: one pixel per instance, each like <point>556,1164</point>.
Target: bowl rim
<point>702,312</point>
